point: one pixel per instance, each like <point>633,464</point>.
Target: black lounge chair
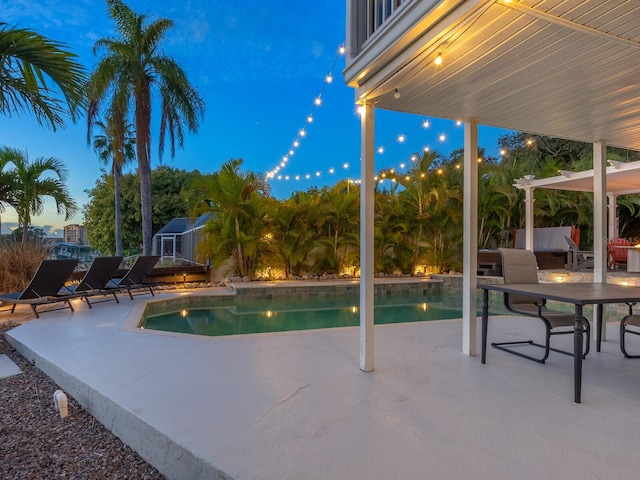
<point>96,279</point>
<point>137,277</point>
<point>45,286</point>
<point>520,266</point>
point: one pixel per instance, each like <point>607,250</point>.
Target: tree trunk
<point>143,142</point>
<point>116,188</point>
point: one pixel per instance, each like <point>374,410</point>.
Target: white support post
<point>470,237</point>
<point>613,231</point>
<point>367,146</point>
<point>528,217</point>
<point>600,259</point>
<point>599,212</point>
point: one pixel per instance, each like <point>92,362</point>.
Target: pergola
<point>621,179</point>
<point>563,68</point>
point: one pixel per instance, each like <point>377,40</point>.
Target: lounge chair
<point>137,277</point>
<point>578,259</point>
<point>520,266</point>
<point>96,280</point>
<point>45,286</point>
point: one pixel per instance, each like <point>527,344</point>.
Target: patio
<point>294,405</point>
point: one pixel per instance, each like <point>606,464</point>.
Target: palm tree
<point>29,189</point>
<point>6,182</point>
<point>337,221</point>
<point>228,194</point>
<point>115,147</point>
<point>132,67</point>
<point>27,60</point>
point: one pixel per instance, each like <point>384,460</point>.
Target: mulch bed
<point>35,443</point>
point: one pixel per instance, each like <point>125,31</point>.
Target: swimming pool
<point>231,315</point>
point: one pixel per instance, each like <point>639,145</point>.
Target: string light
<point>401,138</point>
<point>328,80</point>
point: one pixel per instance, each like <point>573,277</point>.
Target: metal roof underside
<point>564,68</point>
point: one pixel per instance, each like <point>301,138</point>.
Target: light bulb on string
<point>342,50</point>
<point>438,59</point>
<point>328,78</point>
<point>318,101</point>
<point>309,118</point>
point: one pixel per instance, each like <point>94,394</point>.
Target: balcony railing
<point>369,16</point>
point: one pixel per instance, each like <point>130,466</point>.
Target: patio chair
<point>520,266</point>
<point>617,255</point>
<point>45,286</point>
<point>631,320</point>
<point>96,279</point>
<point>578,259</point>
<point>137,278</point>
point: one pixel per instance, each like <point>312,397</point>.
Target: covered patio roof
<point>563,68</point>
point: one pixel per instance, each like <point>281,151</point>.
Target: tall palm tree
<point>30,188</point>
<point>132,67</point>
<point>115,147</point>
<point>27,62</point>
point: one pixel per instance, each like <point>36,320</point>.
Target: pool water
<point>217,316</point>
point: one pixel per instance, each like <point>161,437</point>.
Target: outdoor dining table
<point>578,294</point>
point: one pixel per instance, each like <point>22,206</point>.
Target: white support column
<point>613,231</point>
<point>600,220</point>
<point>470,237</point>
<point>367,146</point>
<point>528,217</point>
<point>600,211</point>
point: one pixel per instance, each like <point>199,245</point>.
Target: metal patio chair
<point>520,266</point>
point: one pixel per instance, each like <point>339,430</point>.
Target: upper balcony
<point>379,32</point>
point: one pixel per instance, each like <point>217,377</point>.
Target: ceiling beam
<point>567,23</point>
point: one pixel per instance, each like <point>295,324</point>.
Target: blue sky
<point>259,66</point>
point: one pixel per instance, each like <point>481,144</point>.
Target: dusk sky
<point>259,66</point>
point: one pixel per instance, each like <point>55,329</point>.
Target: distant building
<point>75,234</point>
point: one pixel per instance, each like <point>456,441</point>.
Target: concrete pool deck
<point>295,405</point>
